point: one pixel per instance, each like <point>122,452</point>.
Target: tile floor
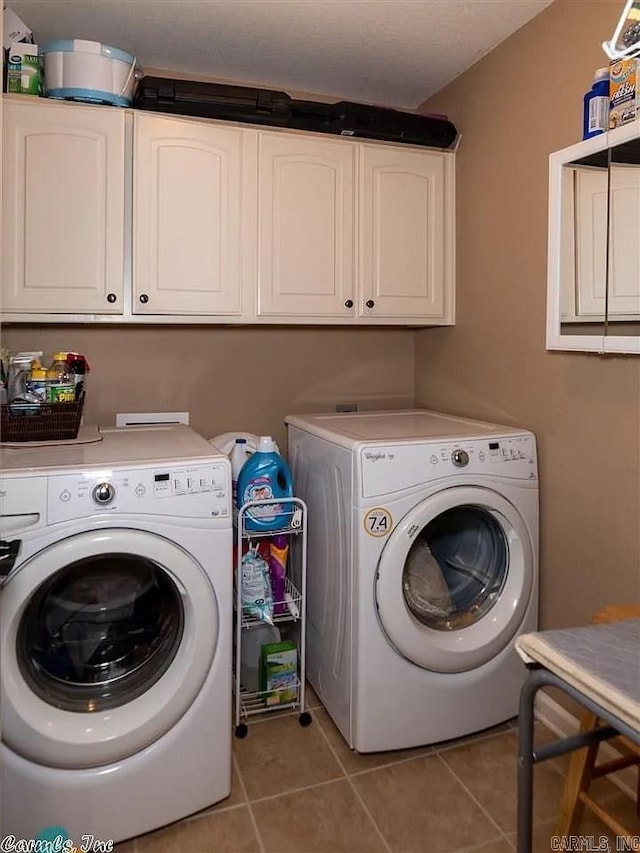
<point>302,790</point>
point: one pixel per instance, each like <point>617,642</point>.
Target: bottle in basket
<point>78,367</point>
<point>61,384</point>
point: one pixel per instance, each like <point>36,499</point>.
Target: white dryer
<point>422,568</point>
<point>115,633</point>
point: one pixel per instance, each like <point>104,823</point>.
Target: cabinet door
<point>406,233</point>
<point>306,226</point>
<point>188,226</point>
<point>63,208</point>
<point>594,189</point>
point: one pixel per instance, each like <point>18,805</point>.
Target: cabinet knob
<point>111,297</point>
<point>348,303</point>
<point>144,298</point>
<point>369,303</point>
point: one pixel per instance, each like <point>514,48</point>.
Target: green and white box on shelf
<point>23,69</point>
<point>278,672</point>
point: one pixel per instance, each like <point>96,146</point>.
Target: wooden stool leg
<point>578,779</point>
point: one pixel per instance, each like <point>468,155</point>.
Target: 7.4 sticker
<point>378,522</point>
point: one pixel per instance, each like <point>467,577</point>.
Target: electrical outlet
<point>346,407</point>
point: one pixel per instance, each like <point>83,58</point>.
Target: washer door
<point>106,639</point>
<point>454,579</point>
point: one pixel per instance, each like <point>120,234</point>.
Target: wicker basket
<point>46,422</point>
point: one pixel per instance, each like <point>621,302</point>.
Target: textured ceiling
<point>387,52</point>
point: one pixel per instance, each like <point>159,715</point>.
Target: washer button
<point>65,495</point>
<point>140,490</point>
<point>434,460</point>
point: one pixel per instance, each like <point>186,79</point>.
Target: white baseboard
<point>562,723</point>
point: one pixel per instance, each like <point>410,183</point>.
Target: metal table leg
<point>526,761</point>
<point>528,757</point>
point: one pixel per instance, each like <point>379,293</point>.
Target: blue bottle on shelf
<point>265,476</point>
<point>596,105</point>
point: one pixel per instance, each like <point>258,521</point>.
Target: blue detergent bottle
<point>265,476</point>
<point>596,105</point>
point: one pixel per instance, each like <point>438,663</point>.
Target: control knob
<point>103,493</point>
<point>460,458</point>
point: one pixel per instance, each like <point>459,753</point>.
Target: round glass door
<point>456,568</point>
<point>100,632</point>
<point>455,578</point>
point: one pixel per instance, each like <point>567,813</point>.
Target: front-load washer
<point>422,568</point>
<point>115,634</point>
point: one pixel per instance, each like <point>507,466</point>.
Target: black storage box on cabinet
<point>277,109</point>
<point>212,100</point>
<point>346,118</point>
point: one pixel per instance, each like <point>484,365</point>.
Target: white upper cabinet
<point>190,226</point>
<point>624,252</point>
<point>306,226</point>
<point>406,238</point>
<point>599,194</point>
<point>313,263</point>
<point>63,208</point>
<point>132,216</point>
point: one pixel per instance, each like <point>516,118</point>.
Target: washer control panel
<point>193,491</point>
<point>391,468</point>
<point>509,450</point>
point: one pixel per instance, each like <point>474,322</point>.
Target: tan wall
<point>513,108</point>
<point>232,379</point>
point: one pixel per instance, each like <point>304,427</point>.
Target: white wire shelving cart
<point>292,608</point>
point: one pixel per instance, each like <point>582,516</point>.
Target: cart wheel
<point>242,731</point>
<point>305,719</point>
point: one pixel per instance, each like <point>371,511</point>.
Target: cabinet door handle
<point>348,303</point>
<point>369,303</point>
<point>144,298</point>
<point>111,297</point>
